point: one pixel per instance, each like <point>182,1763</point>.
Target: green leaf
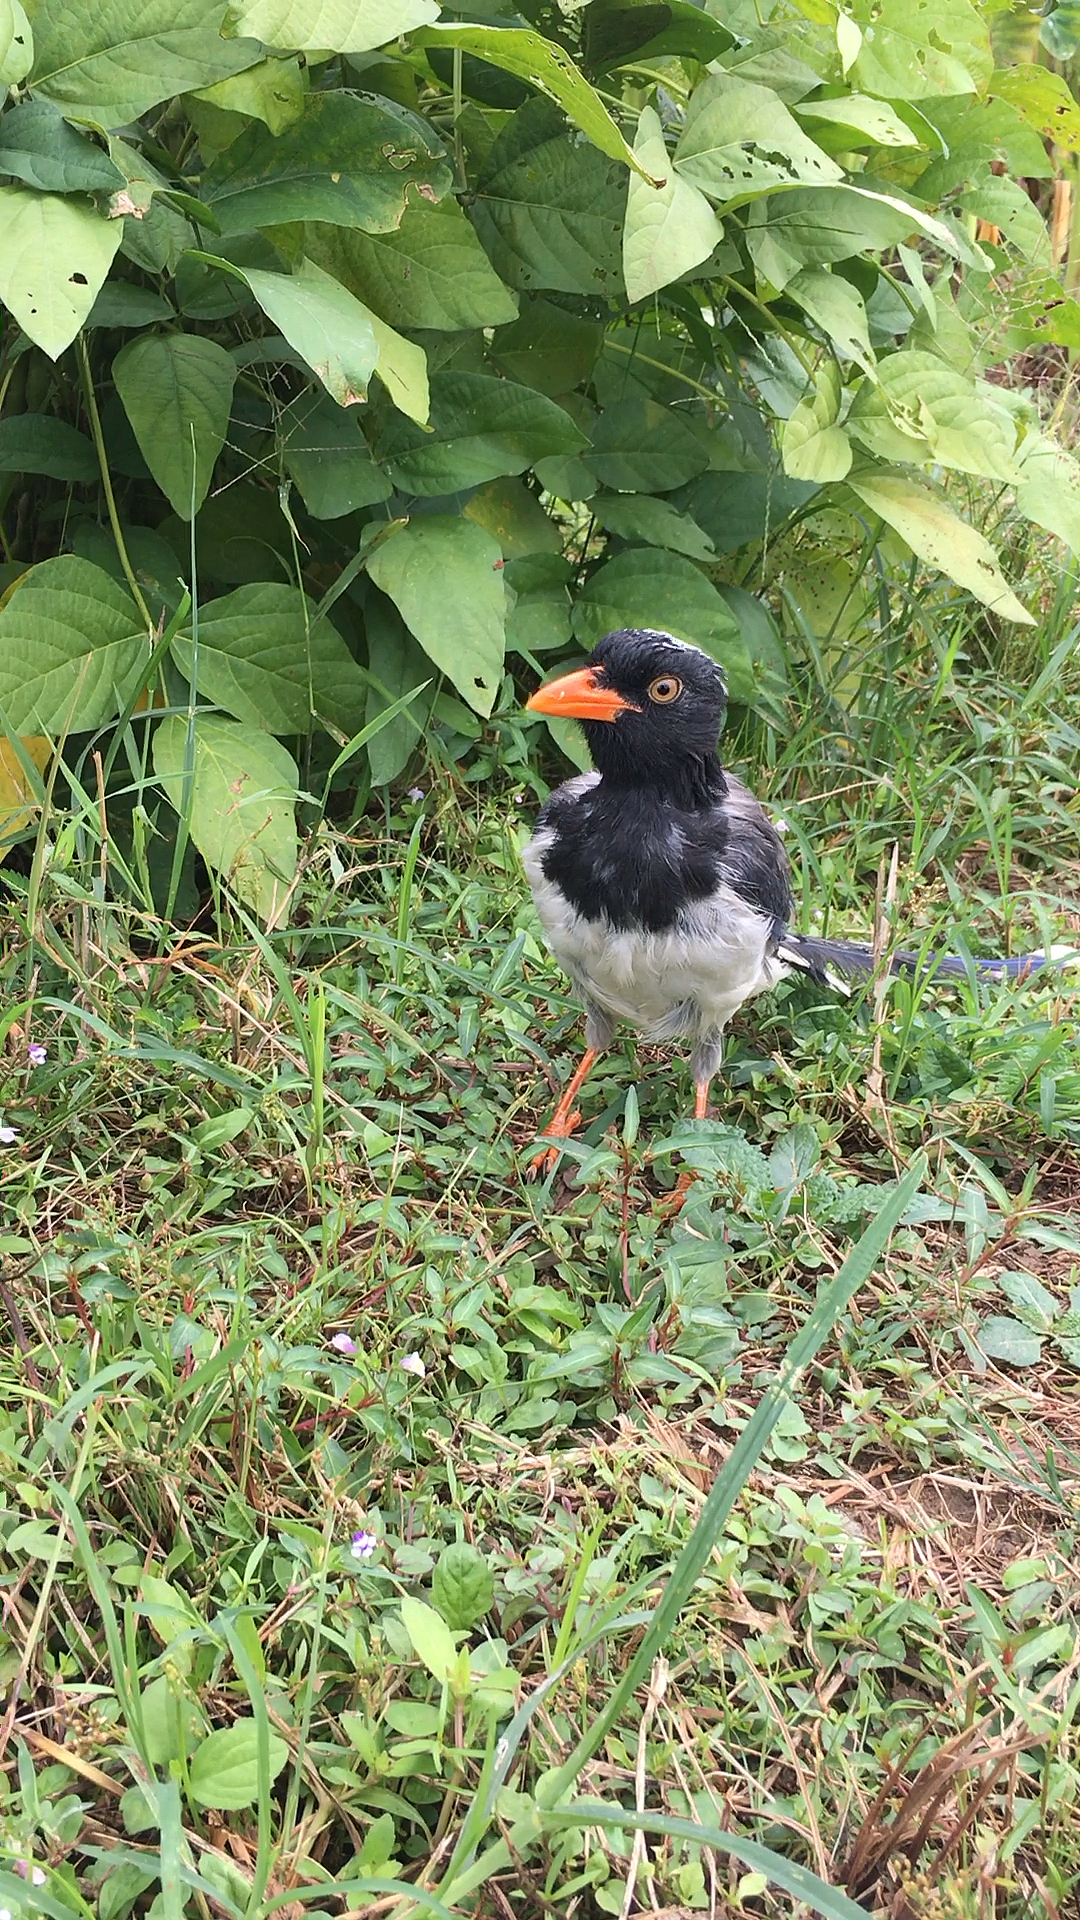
<point>974,132</point>
<point>481,427</point>
<point>1002,1338</point>
<point>918,397</point>
<point>641,447</point>
<point>54,256</point>
<point>856,121</point>
<point>326,454</point>
<point>1049,489</point>
<point>71,648</point>
<point>16,43</point>
<point>349,161</point>
<point>613,31</point>
<point>939,537</point>
<point>540,620</point>
<point>328,26</point>
<point>399,665</point>
<point>669,229</point>
<point>550,211</point>
<point>1043,99</point>
<point>1035,1302</point>
<point>547,348</point>
<point>656,523</point>
<point>813,446</point>
<point>122,304</point>
<point>739,509</point>
<point>273,92</point>
<point>1005,204</point>
<point>39,148</point>
<point>39,443</point>
<point>838,309</point>
<point>646,587</point>
<point>462,1585</point>
<point>330,329</point>
<point>814,227</point>
<point>543,64</point>
<point>114,60</point>
<point>267,659</point>
<point>432,1640</point>
<point>740,140</point>
<point>919,49</point>
<point>224,1771</point>
<point>177,392</point>
<point>444,575</point>
<point>431,272</point>
<point>512,514</point>
<point>242,819</point>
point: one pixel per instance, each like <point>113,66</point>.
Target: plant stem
<point>106,481</point>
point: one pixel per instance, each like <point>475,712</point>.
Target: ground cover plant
<point>380,1534</point>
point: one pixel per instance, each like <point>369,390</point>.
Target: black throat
<point>637,852</point>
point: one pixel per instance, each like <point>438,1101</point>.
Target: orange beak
<point>580,696</point>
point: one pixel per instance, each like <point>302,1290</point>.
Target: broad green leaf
<point>918,397</point>
<point>543,64</point>
<point>328,26</point>
<point>614,32</point>
<point>16,43</point>
<point>1035,1302</point>
<point>430,272</point>
<point>432,1640</point>
<point>271,667</point>
<point>39,443</point>
<point>646,587</point>
<point>975,132</point>
<point>939,537</point>
<point>839,310</point>
<point>512,514</point>
<point>123,304</point>
<point>641,447</point>
<point>71,647</point>
<point>815,227</point>
<point>273,92</point>
<point>550,210</point>
<point>444,575</point>
<point>171,1720</point>
<point>916,49</point>
<point>54,256</point>
<point>242,803</point>
<point>768,59</point>
<point>330,329</point>
<point>462,1585</point>
<point>39,148</point>
<point>1002,1338</point>
<point>740,141</point>
<point>114,60</point>
<point>1042,99</point>
<point>326,454</point>
<point>813,446</point>
<point>855,120</point>
<point>639,517</point>
<point>760,637</point>
<point>398,665</point>
<point>669,229</point>
<point>177,391</point>
<point>348,160</point>
<point>224,1771</point>
<point>547,348</point>
<point>739,509</point>
<point>1005,204</point>
<point>540,620</point>
<point>481,427</point>
<point>1049,489</point>
<point>155,565</point>
<point>402,368</point>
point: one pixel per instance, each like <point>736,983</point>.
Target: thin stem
<point>106,481</point>
<point>768,314</point>
<point>617,346</point>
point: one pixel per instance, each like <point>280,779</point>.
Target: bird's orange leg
<point>676,1199</point>
<point>564,1121</point>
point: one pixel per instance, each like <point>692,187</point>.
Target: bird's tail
<point>836,962</point>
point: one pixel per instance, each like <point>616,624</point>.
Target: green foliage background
<point>358,351</point>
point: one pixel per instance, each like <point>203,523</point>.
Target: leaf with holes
<point>740,141</point>
<point>444,575</point>
<point>54,256</point>
<point>939,537</point>
<point>921,49</point>
<point>71,648</point>
<point>16,43</point>
<point>177,391</point>
<point>242,811</point>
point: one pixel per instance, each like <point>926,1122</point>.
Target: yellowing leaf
<point>940,537</point>
<point>16,788</point>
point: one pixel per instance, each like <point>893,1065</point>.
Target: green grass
<point>641,1630</point>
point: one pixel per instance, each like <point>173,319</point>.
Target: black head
<point>651,708</point>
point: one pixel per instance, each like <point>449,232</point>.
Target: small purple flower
<point>412,1363</point>
<point>27,1871</point>
<point>344,1343</point>
<point>8,1136</point>
<point>36,1055</point>
<point>416,794</point>
<point>363,1544</point>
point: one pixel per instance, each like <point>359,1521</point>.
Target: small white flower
<point>363,1545</point>
<point>36,1055</point>
<point>8,1136</point>
<point>412,1363</point>
<point>344,1343</point>
<point>416,794</point>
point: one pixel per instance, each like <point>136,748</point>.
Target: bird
<point>663,888</point>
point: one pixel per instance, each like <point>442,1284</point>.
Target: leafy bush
<point>358,348</point>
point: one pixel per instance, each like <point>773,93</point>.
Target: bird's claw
<point>546,1161</point>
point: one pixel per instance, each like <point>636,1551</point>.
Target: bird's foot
<point>560,1127</point>
<point>674,1202</point>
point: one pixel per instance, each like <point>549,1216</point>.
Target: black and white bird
<point>662,886</point>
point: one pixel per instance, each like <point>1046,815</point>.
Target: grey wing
<point>753,861</point>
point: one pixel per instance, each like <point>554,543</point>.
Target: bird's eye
<point>665,689</point>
